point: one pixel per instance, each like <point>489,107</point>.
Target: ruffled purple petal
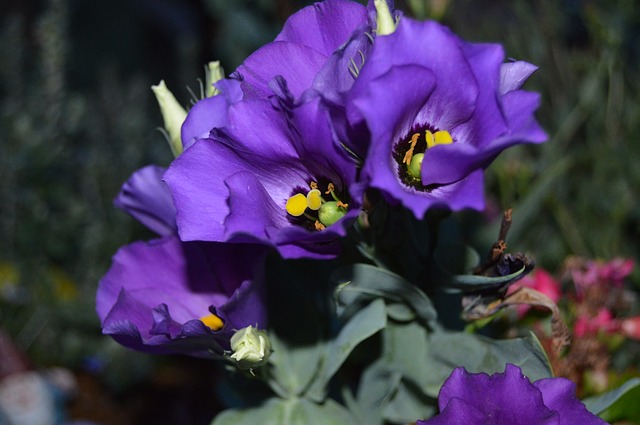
<point>506,398</point>
<point>559,394</point>
<point>154,294</point>
<point>458,411</point>
<point>509,398</point>
<point>148,199</point>
<point>297,63</point>
<point>324,26</point>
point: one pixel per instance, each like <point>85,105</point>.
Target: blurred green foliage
<point>77,118</point>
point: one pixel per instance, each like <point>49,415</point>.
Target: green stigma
<point>414,167</point>
<point>330,212</point>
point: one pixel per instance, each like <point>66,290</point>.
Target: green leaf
<point>473,282</point>
<point>295,411</point>
<point>293,366</point>
<point>480,354</point>
<point>408,404</point>
<point>365,282</point>
<point>615,401</point>
<point>400,366</point>
<point>361,326</point>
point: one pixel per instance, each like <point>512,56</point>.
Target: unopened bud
<point>173,115</point>
<point>251,347</point>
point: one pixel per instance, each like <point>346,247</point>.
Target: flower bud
<point>215,73</point>
<point>385,22</point>
<point>251,347</point>
<point>173,115</point>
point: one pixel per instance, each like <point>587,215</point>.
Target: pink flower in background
<point>601,322</point>
<point>597,272</point>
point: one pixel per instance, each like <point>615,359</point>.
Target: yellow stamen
<point>409,153</point>
<point>297,204</point>
<point>314,199</point>
<point>213,322</point>
<point>319,226</point>
<point>341,204</point>
<point>443,137</point>
<point>431,142</point>
<point>313,185</point>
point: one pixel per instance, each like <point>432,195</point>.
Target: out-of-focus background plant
<point>77,117</point>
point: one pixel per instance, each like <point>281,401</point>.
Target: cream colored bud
<point>215,73</point>
<point>173,115</point>
<point>385,23</point>
<point>251,347</point>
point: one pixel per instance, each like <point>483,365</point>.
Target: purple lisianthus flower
<point>273,176</point>
<point>509,398</point>
<point>438,110</point>
<point>166,296</point>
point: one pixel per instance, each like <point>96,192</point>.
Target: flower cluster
<point>596,304</point>
<point>349,108</point>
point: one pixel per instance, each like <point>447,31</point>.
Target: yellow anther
<point>431,141</point>
<point>213,322</point>
<point>330,188</point>
<point>314,199</point>
<point>313,185</point>
<point>319,226</point>
<point>409,153</point>
<point>443,137</point>
<point>296,204</point>
<point>341,204</point>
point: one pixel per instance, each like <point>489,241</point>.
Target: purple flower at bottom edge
<point>438,110</point>
<point>509,398</point>
<point>238,184</point>
<point>166,296</point>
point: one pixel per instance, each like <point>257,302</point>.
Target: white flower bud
<point>173,115</point>
<point>215,73</point>
<point>385,23</point>
<point>251,347</point>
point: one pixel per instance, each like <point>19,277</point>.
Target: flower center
<point>409,154</point>
<point>320,210</point>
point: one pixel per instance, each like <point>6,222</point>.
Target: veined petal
<point>297,63</point>
<point>324,26</point>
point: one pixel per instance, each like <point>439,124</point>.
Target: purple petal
<point>148,199</point>
<point>324,26</point>
<point>458,411</point>
<point>505,398</point>
<point>210,113</point>
<point>513,75</point>
<point>559,394</point>
<point>155,293</point>
<point>298,64</point>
